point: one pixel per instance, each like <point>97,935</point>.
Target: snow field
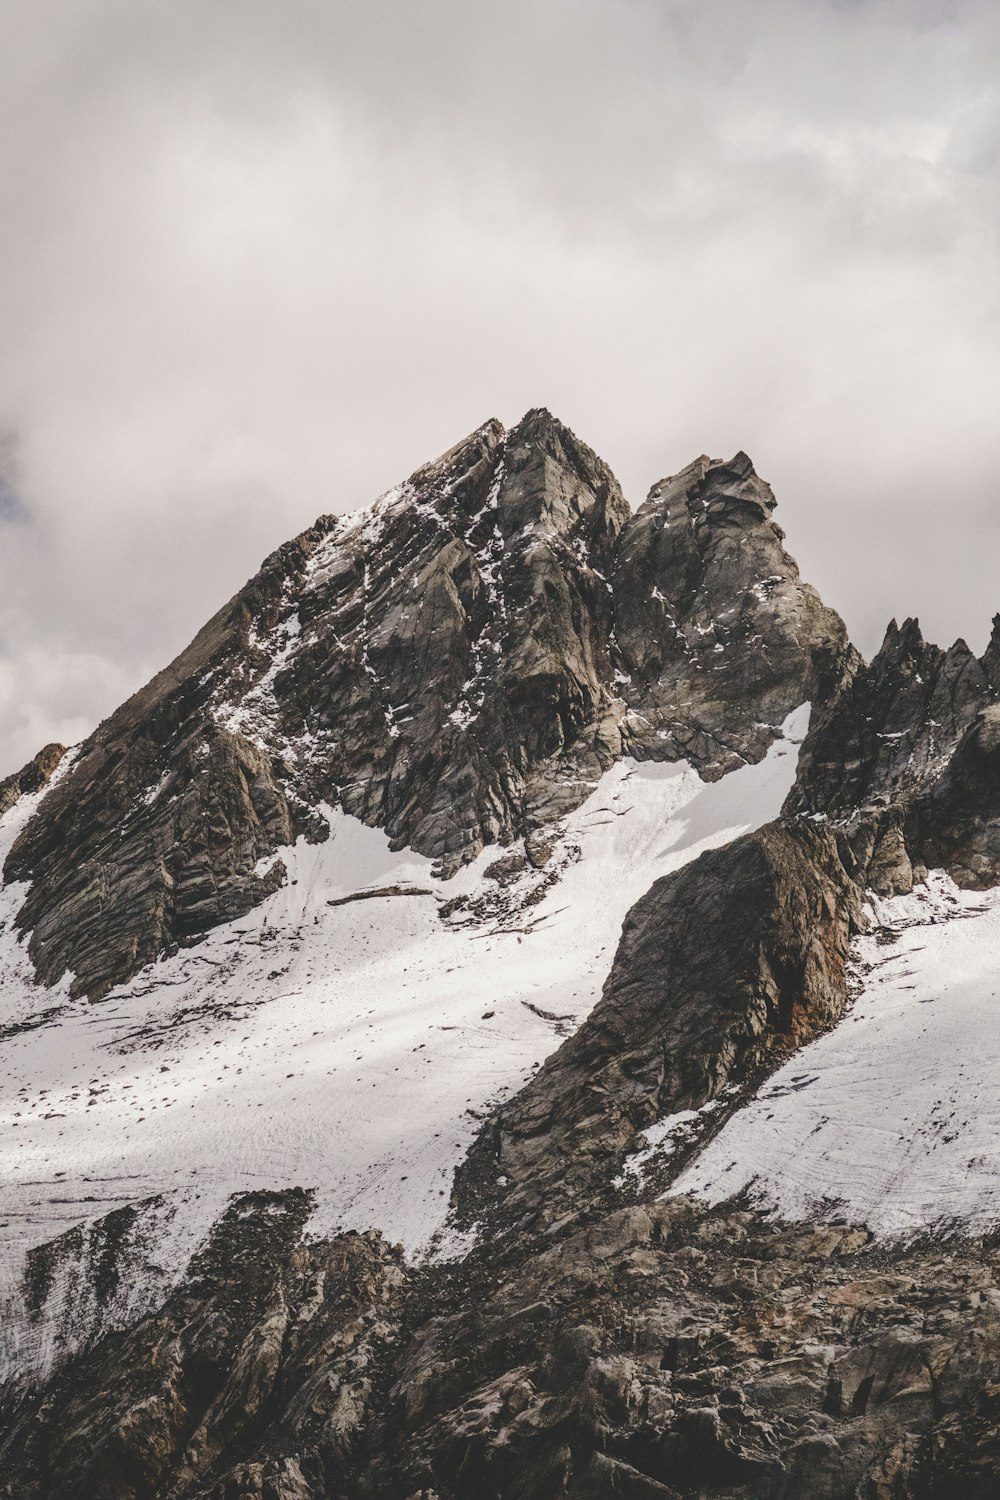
<point>350,1048</point>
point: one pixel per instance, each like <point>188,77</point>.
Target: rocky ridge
<point>723,969</point>
<point>457,666</point>
<point>658,1351</point>
<point>904,757</point>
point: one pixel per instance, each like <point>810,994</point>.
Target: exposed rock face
<point>420,666</point>
<point>894,726</point>
<point>717,632</point>
<point>481,615</point>
<point>31,778</point>
<point>458,666</point>
<point>660,1350</point>
<point>155,832</point>
<point>264,1330</point>
<point>905,755</point>
<point>956,823</point>
<point>700,1354</point>
<point>722,968</point>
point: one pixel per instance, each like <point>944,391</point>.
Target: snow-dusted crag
<point>459,1046</point>
<point>446,666</point>
<point>718,634</point>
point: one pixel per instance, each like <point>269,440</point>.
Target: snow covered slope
<point>892,1119</point>
<point>346,1035</point>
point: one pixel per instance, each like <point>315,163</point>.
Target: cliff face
<point>905,753</point>
<point>723,968</point>
<point>688,923</point>
<point>718,634</point>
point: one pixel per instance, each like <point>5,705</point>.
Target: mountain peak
<point>718,604</point>
<point>456,665</point>
<point>536,424</point>
<point>463,473</point>
<point>718,492</point>
<point>733,493</point>
<point>902,639</point>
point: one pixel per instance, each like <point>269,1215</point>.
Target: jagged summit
<point>907,751</point>
<point>458,665</point>
<point>720,491</point>
<point>712,615</point>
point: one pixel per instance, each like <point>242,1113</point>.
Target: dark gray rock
<point>266,1331</point>
<point>612,1360</point>
<point>892,727</point>
<point>154,833</point>
<point>955,822</point>
<point>439,667</point>
<point>723,968</point>
<point>719,637</point>
<point>906,758</point>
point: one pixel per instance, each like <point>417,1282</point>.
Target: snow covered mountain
<point>457,1044</point>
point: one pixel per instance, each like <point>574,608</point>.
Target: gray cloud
<point>260,260</point>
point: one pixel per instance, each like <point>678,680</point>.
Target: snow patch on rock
<point>664,1137</point>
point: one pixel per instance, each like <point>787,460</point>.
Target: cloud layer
<point>259,261</point>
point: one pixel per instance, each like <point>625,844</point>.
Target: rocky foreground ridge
<point>458,666</point>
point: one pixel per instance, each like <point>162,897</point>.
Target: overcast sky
<point>261,258</point>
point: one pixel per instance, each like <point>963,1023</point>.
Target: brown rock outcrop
<point>722,969</point>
